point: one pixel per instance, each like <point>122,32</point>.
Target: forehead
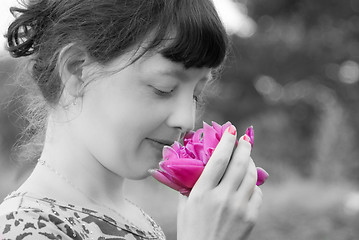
<point>157,64</point>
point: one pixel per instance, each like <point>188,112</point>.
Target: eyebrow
<point>179,74</point>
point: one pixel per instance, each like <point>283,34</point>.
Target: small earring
<point>67,106</point>
<point>79,94</point>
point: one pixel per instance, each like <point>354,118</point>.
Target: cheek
<point>113,126</point>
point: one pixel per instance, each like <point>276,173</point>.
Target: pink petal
<point>188,137</point>
<point>224,127</point>
<point>250,134</point>
<point>169,153</point>
<point>209,137</point>
<point>164,178</point>
<point>185,153</point>
<point>209,153</point>
<point>185,191</point>
<point>197,137</point>
<point>176,146</point>
<point>220,129</point>
<point>190,151</point>
<point>208,132</point>
<point>199,151</point>
<point>187,175</point>
<point>180,162</point>
<point>262,176</point>
<point>217,127</point>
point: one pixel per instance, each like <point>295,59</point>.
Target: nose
<point>183,115</point>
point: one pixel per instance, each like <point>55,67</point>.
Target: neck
<point>75,165</point>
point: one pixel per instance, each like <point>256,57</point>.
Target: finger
<point>247,232</point>
<point>254,205</point>
<point>181,203</point>
<point>246,188</point>
<point>218,162</point>
<point>237,167</point>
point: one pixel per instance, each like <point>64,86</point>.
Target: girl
<point>120,79</point>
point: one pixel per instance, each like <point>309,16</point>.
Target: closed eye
<point>162,93</point>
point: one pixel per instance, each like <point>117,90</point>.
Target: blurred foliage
<point>310,210</point>
<point>296,81</point>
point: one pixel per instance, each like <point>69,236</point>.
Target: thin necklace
<point>157,231</point>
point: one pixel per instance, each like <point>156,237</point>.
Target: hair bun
<point>25,31</point>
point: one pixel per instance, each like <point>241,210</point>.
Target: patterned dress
<point>26,216</point>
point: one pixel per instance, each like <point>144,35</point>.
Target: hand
<point>225,201</point>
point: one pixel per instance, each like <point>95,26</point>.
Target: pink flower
<point>182,165</point>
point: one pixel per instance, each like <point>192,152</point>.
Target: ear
<point>71,61</point>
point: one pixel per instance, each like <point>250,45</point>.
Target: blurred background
<point>293,74</point>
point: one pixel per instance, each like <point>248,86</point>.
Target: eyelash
<point>162,93</point>
<point>196,98</point>
<point>167,94</point>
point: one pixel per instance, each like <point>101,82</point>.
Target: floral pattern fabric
<point>24,216</point>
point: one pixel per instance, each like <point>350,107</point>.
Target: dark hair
<point>184,31</point>
<point>108,28</point>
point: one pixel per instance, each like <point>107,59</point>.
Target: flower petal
<point>198,150</point>
<point>183,165</point>
<point>224,127</point>
<point>209,153</point>
<point>165,178</point>
<point>195,150</point>
<point>176,146</point>
<point>184,153</point>
<point>180,162</point>
<point>262,176</point>
<point>250,134</point>
<point>185,191</point>
<point>198,136</point>
<point>169,153</point>
<point>210,139</point>
<point>217,127</point>
<point>185,174</point>
<point>188,137</point>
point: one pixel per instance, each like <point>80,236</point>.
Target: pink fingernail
<point>246,138</point>
<point>232,130</point>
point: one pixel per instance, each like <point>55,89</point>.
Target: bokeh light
<point>269,88</point>
<point>349,72</point>
<point>234,16</point>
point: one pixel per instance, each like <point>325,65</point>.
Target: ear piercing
<point>74,102</point>
<point>79,94</point>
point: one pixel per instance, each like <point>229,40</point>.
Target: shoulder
<point>21,219</point>
<point>29,224</point>
<point>27,217</point>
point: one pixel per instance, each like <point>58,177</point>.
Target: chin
<point>139,175</point>
<point>142,163</point>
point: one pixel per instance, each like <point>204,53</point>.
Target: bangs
<point>199,40</point>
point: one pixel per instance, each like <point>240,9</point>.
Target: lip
<point>161,142</point>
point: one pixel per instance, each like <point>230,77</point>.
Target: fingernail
<point>232,130</point>
<point>247,138</point>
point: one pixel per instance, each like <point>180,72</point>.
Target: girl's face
<point>127,116</point>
